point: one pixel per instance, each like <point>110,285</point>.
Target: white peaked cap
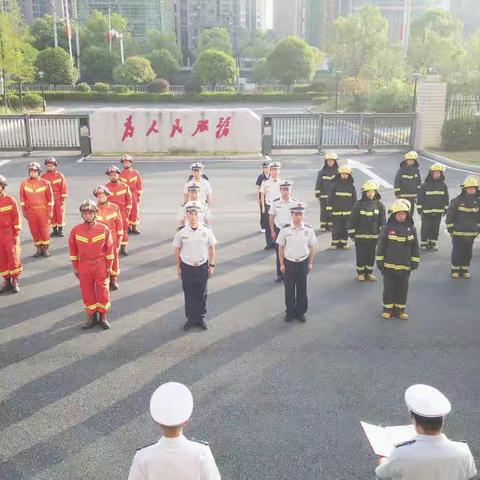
<point>427,401</point>
<point>171,404</point>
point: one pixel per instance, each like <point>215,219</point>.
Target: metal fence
<point>342,130</point>
<point>463,106</point>
<point>41,132</point>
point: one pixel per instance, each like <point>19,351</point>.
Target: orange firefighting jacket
<point>109,215</point>
<point>10,222</point>
<point>58,183</point>
<point>90,242</point>
<point>134,180</point>
<point>35,194</point>
<point>121,195</point>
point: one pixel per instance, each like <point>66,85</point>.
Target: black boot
<point>113,284</point>
<point>6,285</point>
<point>104,321</point>
<point>55,232</point>
<point>135,230</point>
<point>14,285</point>
<point>38,253</point>
<point>91,321</point>
<point>45,252</point>
<point>60,232</point>
<point>123,251</point>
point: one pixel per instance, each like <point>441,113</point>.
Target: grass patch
<point>471,157</point>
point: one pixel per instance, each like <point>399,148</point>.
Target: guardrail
<point>341,130</point>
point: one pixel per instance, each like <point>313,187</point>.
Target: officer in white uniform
<point>296,251</point>
<point>173,457</point>
<point>195,256</point>
<point>204,216</point>
<point>269,191</point>
<point>205,187</point>
<point>430,455</point>
<point>280,216</point>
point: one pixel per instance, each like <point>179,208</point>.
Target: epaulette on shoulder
<point>276,199</point>
<point>410,442</point>
<point>179,228</point>
<point>206,226</point>
<point>203,442</point>
<point>149,445</point>
<point>307,225</point>
<point>287,225</point>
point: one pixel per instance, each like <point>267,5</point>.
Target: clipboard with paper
<point>384,439</point>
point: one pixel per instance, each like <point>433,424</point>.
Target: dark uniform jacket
<point>342,197</point>
<point>463,215</point>
<point>397,248</point>
<point>433,197</point>
<point>367,218</point>
<point>325,178</point>
<point>407,180</point>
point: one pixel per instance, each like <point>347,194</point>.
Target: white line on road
<point>448,167</point>
<point>3,162</point>
<point>367,170</point>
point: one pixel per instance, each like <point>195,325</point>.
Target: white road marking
<point>3,162</point>
<point>448,167</point>
<point>367,170</point>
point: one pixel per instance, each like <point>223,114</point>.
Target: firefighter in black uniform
<point>366,221</point>
<point>463,220</point>
<point>408,180</point>
<point>397,256</point>
<point>340,203</point>
<point>432,204</point>
<point>323,187</point>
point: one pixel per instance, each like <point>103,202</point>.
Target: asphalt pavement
<point>275,400</point>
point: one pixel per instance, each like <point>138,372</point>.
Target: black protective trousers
<point>325,215</point>
<point>430,230</point>
<point>365,252</point>
<point>194,283</point>
<point>462,253</point>
<point>395,289</point>
<point>295,282</point>
<point>339,230</point>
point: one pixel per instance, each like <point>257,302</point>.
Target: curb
<point>447,161</point>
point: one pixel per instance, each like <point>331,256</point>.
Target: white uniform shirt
<point>280,210</point>
<point>204,216</point>
<point>271,189</point>
<point>296,241</point>
<point>174,459</point>
<point>430,457</point>
<point>205,189</point>
<point>194,244</point>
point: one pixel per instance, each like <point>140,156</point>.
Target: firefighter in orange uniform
<point>120,195</point>
<point>91,253</point>
<point>59,188</point>
<point>10,225</point>
<point>36,200</point>
<point>134,180</point>
<point>109,214</point>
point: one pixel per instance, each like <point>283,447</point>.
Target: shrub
<point>193,85</point>
<point>461,134</point>
<point>84,87</point>
<point>102,87</point>
<point>121,89</point>
<point>393,98</point>
<point>135,71</point>
<point>13,101</point>
<point>33,101</point>
<point>159,85</point>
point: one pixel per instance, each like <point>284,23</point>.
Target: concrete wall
<point>207,131</point>
<point>431,110</point>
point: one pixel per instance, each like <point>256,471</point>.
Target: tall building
<point>289,18</point>
<point>255,15</point>
<point>468,12</point>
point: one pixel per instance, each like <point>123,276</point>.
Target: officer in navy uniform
<point>195,257</point>
<point>269,191</point>
<point>430,455</point>
<point>279,216</point>
<point>265,175</point>
<point>173,457</point>
<point>296,251</point>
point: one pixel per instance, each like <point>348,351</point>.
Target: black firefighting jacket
<point>397,247</point>
<point>463,216</point>
<point>433,197</point>
<point>367,218</point>
<point>407,181</point>
<point>342,197</point>
<point>325,179</point>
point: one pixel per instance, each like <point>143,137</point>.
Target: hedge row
<point>461,134</point>
<point>169,97</point>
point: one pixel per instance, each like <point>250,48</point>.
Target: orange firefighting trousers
<point>58,217</point>
<point>93,278</point>
<point>134,217</point>
<point>39,222</point>
<point>10,265</point>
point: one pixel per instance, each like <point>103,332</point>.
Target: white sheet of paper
<point>384,439</point>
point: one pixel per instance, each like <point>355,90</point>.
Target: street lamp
<point>416,77</point>
<point>41,74</point>
<point>337,83</point>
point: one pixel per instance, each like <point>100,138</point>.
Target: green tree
<point>437,20</point>
<point>163,63</point>
<point>134,71</point>
<point>215,66</point>
<point>156,40</point>
<point>97,64</point>
<point>258,46</point>
<point>41,32</point>
<point>291,60</point>
<point>57,66</point>
<point>216,38</point>
<point>261,72</point>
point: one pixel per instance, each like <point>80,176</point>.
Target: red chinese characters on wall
<point>153,128</point>
<point>129,129</point>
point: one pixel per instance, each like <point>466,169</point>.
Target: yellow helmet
<point>406,202</point>
<point>345,169</point>
<point>411,155</point>
<point>369,185</point>
<point>331,155</point>
<point>470,181</point>
<point>400,206</point>
<point>437,167</point>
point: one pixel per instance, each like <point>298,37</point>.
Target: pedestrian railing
<point>41,132</point>
<point>341,130</point>
<point>463,106</point>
